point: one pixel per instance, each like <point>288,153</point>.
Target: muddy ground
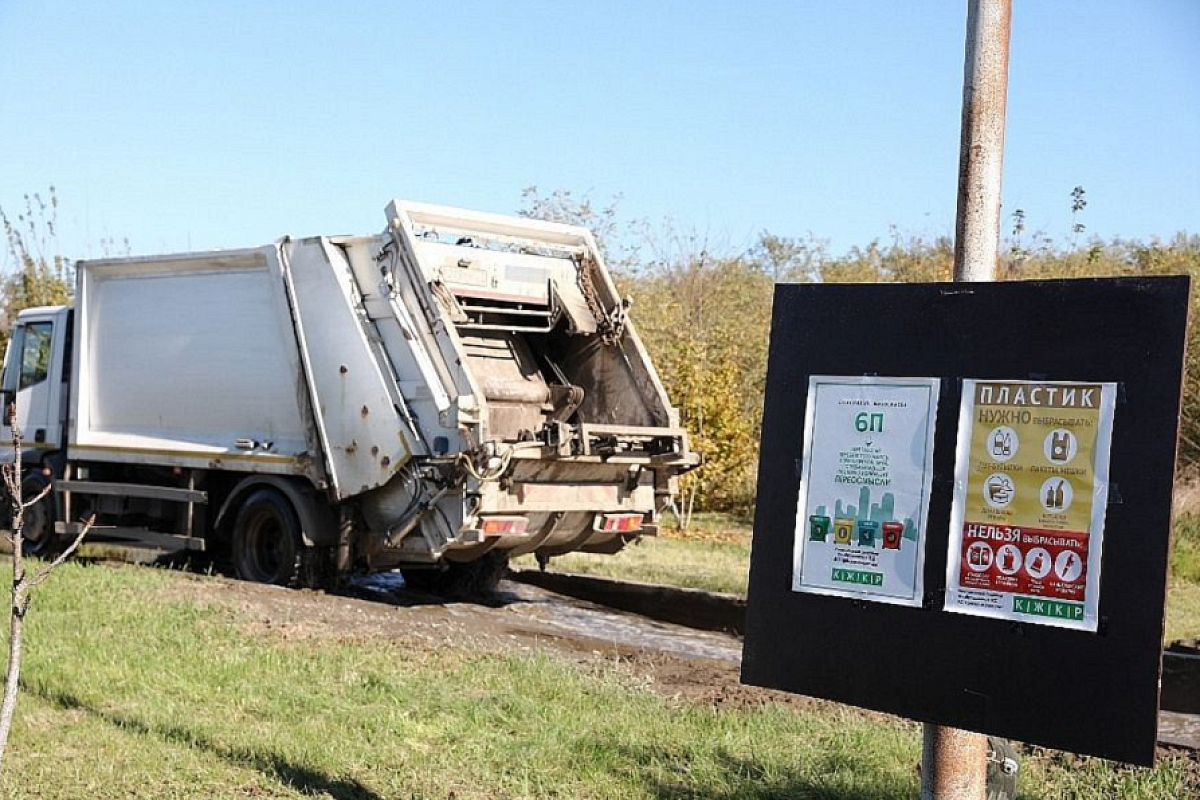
<point>674,661</point>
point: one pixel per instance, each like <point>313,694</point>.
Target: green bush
<point>706,323</point>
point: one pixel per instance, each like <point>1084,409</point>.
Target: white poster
<point>864,488</point>
<point>1030,492</point>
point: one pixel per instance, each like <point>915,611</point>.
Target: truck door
<point>32,373</point>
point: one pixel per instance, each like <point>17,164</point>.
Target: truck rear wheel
<point>478,578</point>
<point>267,541</point>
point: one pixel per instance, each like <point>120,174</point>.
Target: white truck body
<point>459,385</point>
<point>161,340</point>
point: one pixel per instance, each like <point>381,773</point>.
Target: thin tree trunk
<point>12,680</point>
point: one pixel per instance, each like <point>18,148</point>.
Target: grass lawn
<point>133,690</point>
<point>715,556</point>
<point>1185,551</point>
<point>667,559</point>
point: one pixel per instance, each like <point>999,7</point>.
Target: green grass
<point>130,695</point>
<point>1185,550</point>
<point>710,565</point>
<point>1183,610</point>
<point>132,691</point>
<point>705,524</point>
<point>713,555</point>
<point>1183,591</point>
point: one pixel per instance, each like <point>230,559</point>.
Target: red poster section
<point>1027,561</point>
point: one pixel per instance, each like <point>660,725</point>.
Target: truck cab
<point>36,377</point>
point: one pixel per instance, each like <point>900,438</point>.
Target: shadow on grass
<point>300,778</point>
<point>665,773</point>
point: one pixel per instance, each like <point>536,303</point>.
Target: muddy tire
<point>40,539</point>
<point>473,579</point>
<point>267,544</point>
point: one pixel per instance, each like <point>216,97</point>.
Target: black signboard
<point>1087,691</point>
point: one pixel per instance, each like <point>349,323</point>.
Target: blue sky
<point>189,125</point>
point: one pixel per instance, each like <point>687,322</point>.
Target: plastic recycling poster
<point>1030,492</point>
<point>864,488</point>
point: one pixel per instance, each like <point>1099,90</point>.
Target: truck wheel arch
<point>318,523</point>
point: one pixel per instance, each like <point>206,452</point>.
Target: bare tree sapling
<point>23,583</point>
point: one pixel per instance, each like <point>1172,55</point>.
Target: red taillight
<point>503,526</point>
<point>620,523</point>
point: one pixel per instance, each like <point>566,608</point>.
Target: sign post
<point>954,762</point>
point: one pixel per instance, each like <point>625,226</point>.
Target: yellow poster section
<point>1032,466</point>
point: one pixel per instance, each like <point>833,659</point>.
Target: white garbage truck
<point>461,388</point>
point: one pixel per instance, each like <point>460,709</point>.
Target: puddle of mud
<point>571,617</point>
<point>613,627</point>
<point>379,582</point>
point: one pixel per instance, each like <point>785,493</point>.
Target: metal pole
<point>954,762</point>
<point>981,156</point>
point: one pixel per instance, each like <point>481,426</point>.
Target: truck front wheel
<point>267,542</point>
<point>39,520</point>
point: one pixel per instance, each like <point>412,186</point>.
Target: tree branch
<point>45,571</point>
<point>41,496</point>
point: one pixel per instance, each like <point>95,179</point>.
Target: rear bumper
<point>554,496</point>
